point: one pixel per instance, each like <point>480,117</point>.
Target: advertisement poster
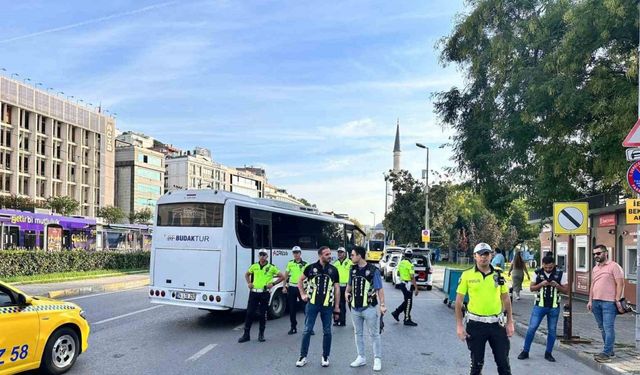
<point>54,239</point>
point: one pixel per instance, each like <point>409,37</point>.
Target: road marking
<point>103,294</point>
<point>241,326</point>
<point>125,315</point>
<point>202,352</point>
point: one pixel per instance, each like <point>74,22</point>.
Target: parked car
<point>390,268</point>
<point>423,270</point>
<point>388,251</point>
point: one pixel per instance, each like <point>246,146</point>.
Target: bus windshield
<point>190,215</point>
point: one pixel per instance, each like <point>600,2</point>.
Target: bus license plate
<point>186,296</point>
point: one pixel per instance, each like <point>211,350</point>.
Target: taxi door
<point>19,331</point>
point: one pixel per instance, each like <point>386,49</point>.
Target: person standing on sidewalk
<point>260,281</point>
<point>407,285</point>
<point>548,285</point>
<point>607,287</point>
<point>498,260</point>
<point>365,293</point>
<point>343,264</point>
<point>323,296</point>
<point>292,274</point>
<point>517,271</point>
<point>486,321</point>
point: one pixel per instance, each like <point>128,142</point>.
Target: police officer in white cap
<point>294,269</point>
<point>407,285</point>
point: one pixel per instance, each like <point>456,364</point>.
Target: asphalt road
<point>131,336</point>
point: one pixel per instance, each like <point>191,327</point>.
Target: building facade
<point>139,177</point>
<point>52,147</point>
<point>195,170</point>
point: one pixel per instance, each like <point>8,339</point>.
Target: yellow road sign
<point>633,211</point>
<point>570,218</point>
<point>426,235</point>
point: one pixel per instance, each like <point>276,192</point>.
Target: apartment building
<point>51,147</point>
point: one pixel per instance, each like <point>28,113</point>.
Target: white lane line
<point>125,315</point>
<point>202,352</point>
<point>103,294</point>
<point>241,326</point>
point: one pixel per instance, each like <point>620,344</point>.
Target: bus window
<point>190,215</point>
<point>243,226</point>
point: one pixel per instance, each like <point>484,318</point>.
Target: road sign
<point>633,176</point>
<point>570,218</point>
<point>633,138</point>
<point>426,235</point>
<point>633,211</point>
<point>633,154</point>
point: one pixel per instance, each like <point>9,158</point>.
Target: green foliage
<point>142,216</point>
<point>24,263</point>
<point>63,205</point>
<point>550,92</point>
<point>19,203</point>
<point>406,217</point>
<point>111,214</point>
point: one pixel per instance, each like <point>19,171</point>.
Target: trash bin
<point>450,285</point>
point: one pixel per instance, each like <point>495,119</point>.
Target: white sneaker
<point>377,364</point>
<point>360,361</point>
<point>301,362</point>
<point>325,362</point>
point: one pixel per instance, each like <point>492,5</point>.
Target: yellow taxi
<point>39,333</point>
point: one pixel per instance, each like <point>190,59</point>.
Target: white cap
<point>296,248</point>
<point>408,252</point>
<point>341,249</point>
<point>482,248</point>
<point>263,251</point>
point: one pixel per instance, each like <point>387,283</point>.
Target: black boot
<point>549,357</point>
<point>410,322</point>
<point>261,336</point>
<point>292,331</point>
<point>523,355</point>
<point>245,337</point>
<point>396,316</point>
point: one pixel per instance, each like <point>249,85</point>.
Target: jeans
<point>293,295</point>
<point>372,319</point>
<point>605,313</point>
<point>326,313</point>
<point>479,334</point>
<point>537,314</point>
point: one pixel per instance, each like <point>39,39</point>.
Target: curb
<point>72,292</point>
<point>586,359</point>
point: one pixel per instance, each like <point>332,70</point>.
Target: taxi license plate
<point>186,296</point>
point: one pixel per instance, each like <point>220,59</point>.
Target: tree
<point>142,216</point>
<point>550,91</point>
<point>111,214</point>
<point>63,205</point>
<point>406,217</point>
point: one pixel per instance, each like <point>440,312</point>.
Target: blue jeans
<point>326,315</point>
<point>537,314</point>
<point>370,317</point>
<point>605,313</point>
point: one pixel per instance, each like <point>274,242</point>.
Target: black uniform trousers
<point>407,304</point>
<point>257,302</point>
<point>293,296</point>
<point>343,307</point>
<point>479,333</point>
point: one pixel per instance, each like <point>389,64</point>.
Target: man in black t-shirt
<point>323,295</point>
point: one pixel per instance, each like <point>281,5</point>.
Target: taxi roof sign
<point>570,218</point>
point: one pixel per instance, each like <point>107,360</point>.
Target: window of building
<point>25,124</point>
<point>631,263</point>
<point>5,137</point>
<point>42,125</point>
<point>145,188</point>
<point>5,182</point>
<point>24,142</point>
<point>6,113</point>
<point>582,255</point>
<point>148,173</point>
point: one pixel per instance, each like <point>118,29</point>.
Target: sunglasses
<point>598,253</point>
<point>263,255</point>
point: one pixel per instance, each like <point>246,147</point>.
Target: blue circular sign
<point>633,176</point>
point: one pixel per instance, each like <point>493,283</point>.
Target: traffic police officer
<point>292,275</point>
<point>343,264</point>
<point>260,281</point>
<point>548,282</point>
<point>486,321</point>
<point>407,285</point>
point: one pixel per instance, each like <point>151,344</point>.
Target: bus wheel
<point>277,305</point>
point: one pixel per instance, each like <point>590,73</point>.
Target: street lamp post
<point>374,219</point>
<point>426,191</point>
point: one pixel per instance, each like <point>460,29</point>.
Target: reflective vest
<point>343,269</point>
<point>362,286</point>
<point>406,270</point>
<point>321,281</point>
<point>548,296</point>
<point>295,270</point>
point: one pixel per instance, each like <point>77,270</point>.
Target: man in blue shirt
<point>498,260</point>
<point>364,294</point>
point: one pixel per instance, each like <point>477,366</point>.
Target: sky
<point>310,91</point>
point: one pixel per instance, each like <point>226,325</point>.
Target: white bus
<point>205,240</point>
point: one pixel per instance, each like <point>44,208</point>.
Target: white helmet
<point>341,249</point>
<point>408,253</point>
<point>296,249</point>
<point>482,248</point>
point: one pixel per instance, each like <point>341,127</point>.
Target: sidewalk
<point>627,360</point>
<point>88,286</point>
